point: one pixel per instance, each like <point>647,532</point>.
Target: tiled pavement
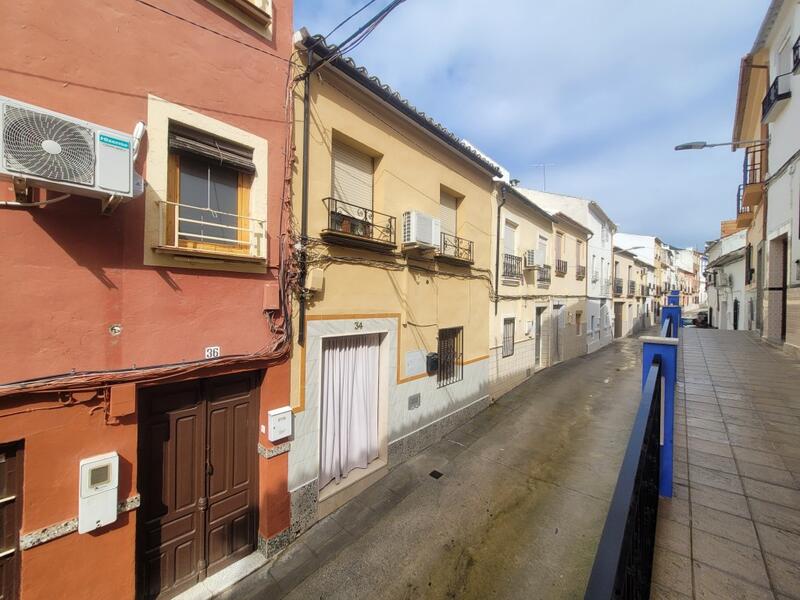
<point>732,529</point>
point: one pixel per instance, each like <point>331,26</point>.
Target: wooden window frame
<point>243,209</point>
<point>11,587</point>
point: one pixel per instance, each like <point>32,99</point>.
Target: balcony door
<point>447,215</point>
<point>509,238</point>
<point>352,189</point>
<point>350,396</point>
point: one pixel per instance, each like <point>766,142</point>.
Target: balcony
<point>618,286</point>
<point>580,272</point>
<point>744,214</point>
<point>512,266</point>
<point>753,174</point>
<point>543,275</point>
<point>595,276</point>
<point>776,99</point>
<point>455,250</point>
<point>561,267</point>
<point>643,290</point>
<point>631,288</point>
<point>359,227</point>
<point>605,288</point>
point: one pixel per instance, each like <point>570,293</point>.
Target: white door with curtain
<point>349,407</point>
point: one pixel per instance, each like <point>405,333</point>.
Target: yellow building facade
<point>397,246</point>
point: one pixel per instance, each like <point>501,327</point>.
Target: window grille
<point>451,356</point>
<point>508,337</point>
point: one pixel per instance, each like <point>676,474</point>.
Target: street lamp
<point>703,145</point>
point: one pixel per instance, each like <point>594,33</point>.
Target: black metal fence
<point>623,564</point>
<point>456,247</point>
<point>543,274</point>
<point>561,267</point>
<point>512,266</point>
<point>360,222</point>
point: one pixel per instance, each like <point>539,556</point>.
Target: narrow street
<point>516,514</point>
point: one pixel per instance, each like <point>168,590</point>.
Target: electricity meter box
<point>99,482</point>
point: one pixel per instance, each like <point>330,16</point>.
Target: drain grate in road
<point>435,474</point>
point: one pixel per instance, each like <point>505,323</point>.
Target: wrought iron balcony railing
<point>631,288</point>
<point>776,94</point>
<point>595,276</point>
<point>456,249</point>
<point>512,266</point>
<point>618,286</point>
<point>741,209</point>
<point>796,57</point>
<point>753,164</point>
<point>355,225</point>
<point>580,272</point>
<point>561,267</point>
<point>543,274</point>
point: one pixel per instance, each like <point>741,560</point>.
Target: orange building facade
<point>157,332</point>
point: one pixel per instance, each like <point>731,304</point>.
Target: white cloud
<point>604,89</point>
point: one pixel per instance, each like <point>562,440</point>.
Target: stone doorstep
<point>221,580</point>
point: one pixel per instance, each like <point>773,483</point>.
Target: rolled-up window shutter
<point>219,151</point>
<point>447,212</point>
<point>352,176</point>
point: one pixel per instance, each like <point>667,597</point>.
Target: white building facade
<point>726,281</point>
<point>778,35</point>
<point>600,248</point>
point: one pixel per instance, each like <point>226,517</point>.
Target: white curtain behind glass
<point>349,439</point>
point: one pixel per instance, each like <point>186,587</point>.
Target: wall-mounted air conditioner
<point>529,259</point>
<point>57,152</point>
<point>420,229</point>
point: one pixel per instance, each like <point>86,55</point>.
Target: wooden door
<point>10,519</point>
<point>197,481</point>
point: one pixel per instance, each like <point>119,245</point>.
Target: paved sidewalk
<point>517,514</point>
<point>733,528</point>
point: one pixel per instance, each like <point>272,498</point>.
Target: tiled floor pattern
<point>732,529</point>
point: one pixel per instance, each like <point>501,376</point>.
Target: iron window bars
<point>451,356</point>
<point>508,337</point>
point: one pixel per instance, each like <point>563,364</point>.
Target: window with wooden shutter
<point>10,519</point>
<point>447,212</point>
<point>208,194</point>
<point>352,176</point>
<point>509,243</point>
<point>541,251</point>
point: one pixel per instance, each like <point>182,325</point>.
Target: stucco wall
<point>409,305</point>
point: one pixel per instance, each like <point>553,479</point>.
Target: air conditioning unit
<point>529,259</point>
<point>60,153</point>
<point>420,229</point>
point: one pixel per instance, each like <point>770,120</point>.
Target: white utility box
<point>279,423</point>
<point>99,481</point>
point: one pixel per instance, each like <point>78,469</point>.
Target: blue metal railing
<point>624,561</point>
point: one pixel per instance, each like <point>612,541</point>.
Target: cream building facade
<point>394,213</point>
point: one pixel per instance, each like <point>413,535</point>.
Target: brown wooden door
<point>10,519</point>
<point>197,462</point>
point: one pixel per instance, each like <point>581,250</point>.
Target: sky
<point>599,90</point>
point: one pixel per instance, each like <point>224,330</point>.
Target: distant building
<point>726,282</point>
<point>588,213</point>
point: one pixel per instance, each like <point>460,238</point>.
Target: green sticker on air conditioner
<point>116,142</point>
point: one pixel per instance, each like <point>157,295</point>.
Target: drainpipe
<point>301,333</point>
<point>497,249</point>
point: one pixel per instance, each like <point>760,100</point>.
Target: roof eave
<point>393,100</point>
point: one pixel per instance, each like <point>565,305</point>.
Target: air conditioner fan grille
<point>47,146</point>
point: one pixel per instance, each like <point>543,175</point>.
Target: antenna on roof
<point>544,166</point>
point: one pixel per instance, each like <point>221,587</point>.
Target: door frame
<point>334,494</point>
<point>149,393</point>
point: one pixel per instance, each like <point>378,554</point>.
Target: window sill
<point>191,253</point>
